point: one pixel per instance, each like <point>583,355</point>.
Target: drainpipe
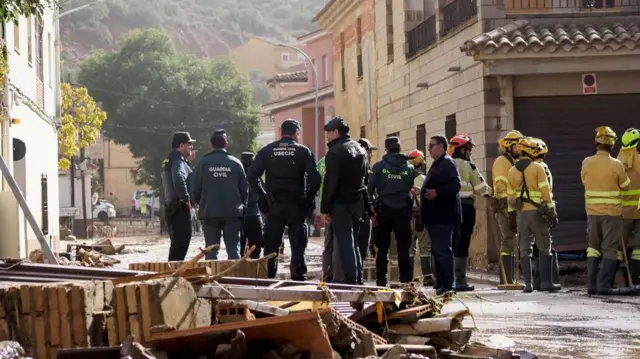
<point>4,138</point>
<point>58,92</point>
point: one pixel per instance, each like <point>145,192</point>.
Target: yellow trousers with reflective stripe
<point>604,234</point>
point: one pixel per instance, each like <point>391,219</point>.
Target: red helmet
<point>460,140</point>
<point>416,157</point>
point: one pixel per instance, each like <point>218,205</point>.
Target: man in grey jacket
<point>220,187</point>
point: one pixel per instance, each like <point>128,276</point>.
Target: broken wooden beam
<point>191,272</point>
<point>263,308</point>
<point>284,294</point>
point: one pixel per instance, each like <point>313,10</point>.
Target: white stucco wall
<point>36,127</point>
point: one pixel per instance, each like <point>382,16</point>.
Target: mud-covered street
<point>568,324</point>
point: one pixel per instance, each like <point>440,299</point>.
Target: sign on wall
<point>589,84</point>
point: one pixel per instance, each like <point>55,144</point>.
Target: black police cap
<point>289,126</point>
<point>182,137</point>
<point>366,144</point>
<point>246,156</point>
<point>392,142</point>
<point>336,124</point>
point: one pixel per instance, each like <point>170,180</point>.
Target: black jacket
<point>346,170</point>
<point>176,177</point>
<point>444,177</point>
<point>392,180</point>
<point>291,173</point>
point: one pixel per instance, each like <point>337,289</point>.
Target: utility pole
<point>83,170</point>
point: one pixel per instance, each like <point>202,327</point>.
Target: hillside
<point>202,27</point>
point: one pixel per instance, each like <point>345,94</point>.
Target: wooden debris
<point>304,330</point>
<point>410,315</point>
<point>189,274</point>
<point>425,350</point>
<point>437,324</point>
<point>190,263</point>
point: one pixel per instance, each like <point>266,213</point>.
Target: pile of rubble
<point>192,312</point>
<point>97,254</point>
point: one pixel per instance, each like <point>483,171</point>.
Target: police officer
<point>252,223</point>
<point>344,197</point>
<point>366,230</point>
<point>176,174</point>
<point>392,180</point>
<point>220,187</point>
<point>289,199</point>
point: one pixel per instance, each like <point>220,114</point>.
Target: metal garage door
<point>567,124</point>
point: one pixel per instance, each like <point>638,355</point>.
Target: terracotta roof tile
<point>522,36</point>
<point>295,76</point>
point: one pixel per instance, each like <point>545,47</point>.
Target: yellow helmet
<point>542,147</point>
<point>510,138</point>
<point>528,146</point>
<point>606,136</point>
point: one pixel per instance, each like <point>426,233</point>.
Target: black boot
<point>526,272</point>
<point>546,283</point>
<point>605,276</point>
<point>615,275</point>
<point>428,279</point>
<point>507,263</point>
<point>460,273</point>
<point>635,271</point>
<point>592,271</point>
<point>382,263</point>
<point>555,267</point>
<point>535,265</point>
<point>413,265</point>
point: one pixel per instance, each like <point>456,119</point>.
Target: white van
<point>153,203</point>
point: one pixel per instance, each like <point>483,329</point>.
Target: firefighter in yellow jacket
<point>543,150</point>
<point>471,184</point>
<point>630,157</point>
<point>505,216</point>
<point>603,177</point>
<point>529,195</point>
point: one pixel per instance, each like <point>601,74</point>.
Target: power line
<point>153,101</point>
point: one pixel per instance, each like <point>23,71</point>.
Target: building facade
<point>351,25</point>
<point>485,67</point>
<point>301,106</point>
<point>265,57</point>
<point>119,184</point>
<point>31,101</point>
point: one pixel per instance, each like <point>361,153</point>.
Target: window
<point>29,41</point>
<point>51,60</point>
<point>301,58</point>
<point>40,47</point>
<point>363,132</point>
<point>325,68</point>
<point>285,57</point>
<point>389,30</point>
<point>359,48</point>
<point>450,126</point>
<point>16,36</point>
<point>421,138</point>
<point>344,79</point>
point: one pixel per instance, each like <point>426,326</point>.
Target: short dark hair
<point>343,130</point>
<point>441,140</point>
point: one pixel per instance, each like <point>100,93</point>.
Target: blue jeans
<point>441,239</point>
<point>229,228</point>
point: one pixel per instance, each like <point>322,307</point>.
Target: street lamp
<point>315,84</point>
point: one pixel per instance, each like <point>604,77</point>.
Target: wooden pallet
<point>46,317</point>
<point>250,269</point>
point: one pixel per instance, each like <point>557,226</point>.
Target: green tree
<point>11,9</point>
<point>82,120</point>
<point>151,91</point>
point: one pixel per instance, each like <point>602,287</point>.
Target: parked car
<point>104,210</point>
<point>153,203</point>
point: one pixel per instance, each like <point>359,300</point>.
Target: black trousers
<point>179,225</point>
<point>462,233</point>
<point>290,214</point>
<point>397,221</point>
<point>364,237</point>
<point>346,219</point>
<point>251,235</point>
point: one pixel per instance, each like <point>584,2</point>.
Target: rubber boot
<point>615,275</point>
<point>605,276</point>
<point>507,263</point>
<point>460,273</point>
<point>526,272</point>
<point>535,265</point>
<point>428,279</point>
<point>546,283</point>
<point>635,271</point>
<point>592,272</point>
<point>555,267</point>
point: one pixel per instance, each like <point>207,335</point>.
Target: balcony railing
<point>457,13</point>
<point>421,36</point>
<point>568,5</point>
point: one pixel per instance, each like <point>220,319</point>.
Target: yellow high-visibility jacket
<point>547,171</point>
<point>630,158</point>
<point>537,184</point>
<point>500,172</point>
<point>604,177</point>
